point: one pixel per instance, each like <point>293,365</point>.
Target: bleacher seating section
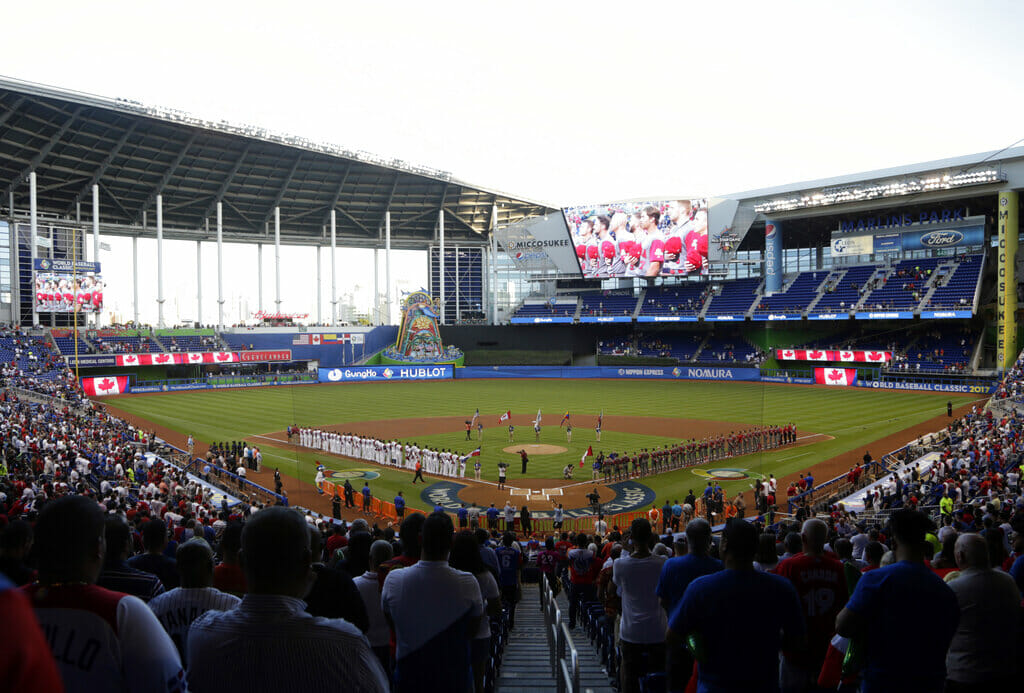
<point>729,347</point>
<point>945,351</point>
<point>958,291</point>
<point>735,298</point>
<point>130,344</point>
<point>66,345</point>
<point>904,287</point>
<point>546,310</point>
<point>681,299</point>
<point>845,291</point>
<point>797,297</point>
<point>672,345</point>
<point>32,355</point>
<point>605,303</point>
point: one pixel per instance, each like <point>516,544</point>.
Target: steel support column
<point>334,268</point>
<point>440,257</point>
<point>387,266</point>
<point>277,259</point>
<point>33,225</point>
<point>319,306</point>
<point>199,277</point>
<point>220,264</point>
<point>135,279</point>
<point>160,260</point>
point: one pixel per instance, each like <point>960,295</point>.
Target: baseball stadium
<point>832,365</point>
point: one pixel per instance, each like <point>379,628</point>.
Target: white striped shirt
<point>269,642</point>
<point>180,607</point>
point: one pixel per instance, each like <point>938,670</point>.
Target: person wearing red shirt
<point>821,584</point>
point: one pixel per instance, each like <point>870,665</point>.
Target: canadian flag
<point>105,385</point>
<point>588,453</point>
<point>224,357</point>
<point>194,357</point>
<point>314,339</point>
<point>835,376</point>
<point>129,360</point>
<point>506,416</point>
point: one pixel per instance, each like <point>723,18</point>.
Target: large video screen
<point>63,288</point>
<point>640,239</point>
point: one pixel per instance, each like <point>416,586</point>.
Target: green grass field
<point>852,416</point>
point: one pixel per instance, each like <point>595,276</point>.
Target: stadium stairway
<point>526,663</point>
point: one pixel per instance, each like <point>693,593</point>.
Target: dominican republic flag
<point>105,385</point>
<point>476,417</point>
<point>565,418</point>
<point>588,453</point>
<point>475,453</point>
<point>506,416</point>
<point>536,422</point>
<point>835,376</point>
<point>600,418</point>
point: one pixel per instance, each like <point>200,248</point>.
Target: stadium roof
<point>134,152</point>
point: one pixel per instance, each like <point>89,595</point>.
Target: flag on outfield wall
<point>536,422</point>
<point>476,417</point>
<point>506,416</point>
<point>565,418</point>
<point>835,376</point>
<point>105,385</point>
<point>475,453</point>
<point>588,453</point>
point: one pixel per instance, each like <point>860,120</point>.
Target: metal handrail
<point>562,654</point>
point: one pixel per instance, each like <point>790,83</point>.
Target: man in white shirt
<point>644,621</point>
<point>379,633</point>
<point>433,634</point>
<point>269,642</point>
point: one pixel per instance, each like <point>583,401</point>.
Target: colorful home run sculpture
<point>419,338</point>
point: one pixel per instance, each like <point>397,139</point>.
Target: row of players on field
<point>57,294</point>
<point>614,466</point>
<point>653,241</point>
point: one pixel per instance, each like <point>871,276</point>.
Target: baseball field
<point>835,426</point>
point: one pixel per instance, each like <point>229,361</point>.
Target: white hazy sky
<point>556,101</point>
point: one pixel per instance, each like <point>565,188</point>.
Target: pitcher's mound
<point>536,449</point>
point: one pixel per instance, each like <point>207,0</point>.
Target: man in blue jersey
<point>510,561</point>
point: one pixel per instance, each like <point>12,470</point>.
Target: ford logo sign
<point>938,239</point>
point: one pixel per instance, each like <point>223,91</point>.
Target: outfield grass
<point>852,416</point>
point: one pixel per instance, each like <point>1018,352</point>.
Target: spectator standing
<point>284,647</point>
<point>466,557</point>
<point>433,635</point>
<point>510,562</point>
<point>178,608</point>
<point>983,654</point>
<point>643,626</point>
<point>902,613</point>
<point>583,569</point>
<point>116,574</point>
<point>714,604</point>
<point>228,575</point>
<point>379,634</point>
<point>154,540</point>
<point>820,582</point>
<point>115,633</point>
<point>333,594</point>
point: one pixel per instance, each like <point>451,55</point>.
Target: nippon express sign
<point>384,373</point>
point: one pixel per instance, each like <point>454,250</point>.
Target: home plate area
<point>620,497</point>
<point>530,494</point>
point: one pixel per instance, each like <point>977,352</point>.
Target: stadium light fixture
<point>862,192</point>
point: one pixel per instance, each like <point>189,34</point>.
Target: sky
<point>564,102</point>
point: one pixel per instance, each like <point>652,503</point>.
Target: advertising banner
<point>886,315</point>
<point>835,376</point>
<point>265,356</point>
<point>561,319</point>
<point>887,243</point>
<point>632,372</point>
<point>943,238</point>
<point>384,373</point>
<point>829,316</point>
<point>1006,283</point>
<point>930,387</point>
<point>539,244</point>
<point>667,318</point>
<point>772,256</point>
<point>845,245</point>
<point>774,317</point>
<point>789,380</point>
<point>926,314</point>
<point>105,385</point>
<point>606,318</point>
<point>833,355</point>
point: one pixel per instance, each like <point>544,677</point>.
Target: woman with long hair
<point>465,556</point>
